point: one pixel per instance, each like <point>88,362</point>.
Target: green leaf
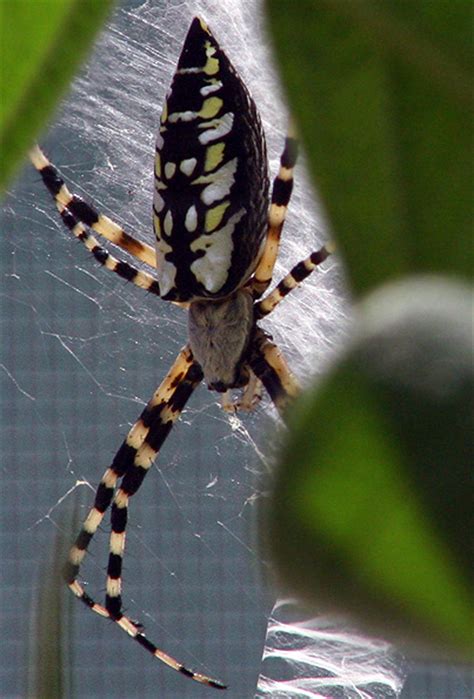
<point>382,93</point>
<point>42,45</point>
<point>47,664</point>
<point>372,510</point>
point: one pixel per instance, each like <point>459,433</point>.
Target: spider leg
<point>252,394</point>
<point>281,193</point>
<point>122,462</point>
<point>249,399</point>
<point>292,280</point>
<point>140,278</point>
<point>131,463</point>
<point>164,414</point>
<point>85,213</point>
<point>268,364</point>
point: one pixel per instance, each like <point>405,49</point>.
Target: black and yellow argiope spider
<point>217,241</point>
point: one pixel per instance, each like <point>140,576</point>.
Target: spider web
<point>83,351</point>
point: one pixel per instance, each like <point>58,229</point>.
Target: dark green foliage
<point>372,508</point>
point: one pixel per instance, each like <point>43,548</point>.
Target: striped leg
<point>85,213</point>
<point>269,365</point>
<point>124,270</point>
<point>281,193</point>
<point>249,399</point>
<point>164,415</point>
<point>292,280</point>
<point>122,462</point>
<point>133,460</point>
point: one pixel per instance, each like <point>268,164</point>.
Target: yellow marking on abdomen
<point>211,107</point>
<point>214,216</point>
<point>214,156</point>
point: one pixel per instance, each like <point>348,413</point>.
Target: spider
<point>217,238</point>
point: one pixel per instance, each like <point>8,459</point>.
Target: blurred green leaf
<point>372,510</point>
<point>47,667</point>
<point>41,46</point>
<point>382,93</point>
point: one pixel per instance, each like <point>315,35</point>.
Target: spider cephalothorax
<point>219,335</point>
<point>216,246</point>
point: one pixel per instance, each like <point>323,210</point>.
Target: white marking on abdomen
<point>211,270</point>
<point>191,220</point>
<point>208,89</point>
<point>216,128</point>
<point>221,182</point>
<point>168,223</point>
<point>187,166</point>
<point>158,201</point>
<point>165,271</point>
<point>170,169</point>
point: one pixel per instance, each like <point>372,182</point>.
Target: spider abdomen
<point>211,181</point>
<point>219,333</point>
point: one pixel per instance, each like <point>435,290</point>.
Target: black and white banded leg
<point>131,464</point>
<point>281,194</point>
<point>87,214</point>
